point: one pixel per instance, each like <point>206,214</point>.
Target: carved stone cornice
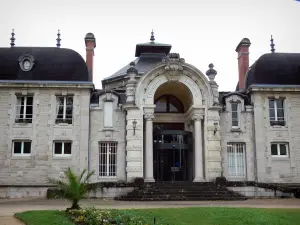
<point>173,62</point>
<point>149,113</point>
<point>197,116</point>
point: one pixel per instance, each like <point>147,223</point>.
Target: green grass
<point>47,217</point>
<point>186,216</point>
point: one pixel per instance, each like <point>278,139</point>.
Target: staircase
<point>180,191</point>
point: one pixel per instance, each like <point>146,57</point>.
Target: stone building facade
<point>158,118</point>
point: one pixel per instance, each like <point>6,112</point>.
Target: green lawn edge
<point>184,216</point>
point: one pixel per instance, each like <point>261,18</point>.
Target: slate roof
<point>275,69</point>
<point>51,64</point>
<point>148,55</point>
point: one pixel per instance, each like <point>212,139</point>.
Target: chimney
<point>243,60</point>
<point>90,44</point>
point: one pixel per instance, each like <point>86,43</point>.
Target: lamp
<point>216,128</point>
<point>134,125</point>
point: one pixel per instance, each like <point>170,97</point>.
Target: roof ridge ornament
<point>272,44</point>
<point>12,39</point>
<point>58,39</point>
<point>152,38</point>
<point>211,72</point>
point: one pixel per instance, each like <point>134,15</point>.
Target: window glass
<point>67,148</point>
<point>274,149</point>
<point>161,105</point>
<point>17,147</point>
<point>169,103</point>
<point>58,148</point>
<point>283,149</point>
<point>27,147</point>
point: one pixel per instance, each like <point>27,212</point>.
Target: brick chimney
<point>90,44</point>
<point>243,60</point>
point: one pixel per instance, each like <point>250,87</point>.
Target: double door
<point>170,164</point>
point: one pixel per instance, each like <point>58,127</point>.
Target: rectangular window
<point>279,149</point>
<point>21,148</point>
<point>236,161</point>
<point>108,159</point>
<point>64,110</point>
<point>234,115</point>
<point>276,112</point>
<point>108,114</point>
<point>24,108</point>
<point>62,148</point>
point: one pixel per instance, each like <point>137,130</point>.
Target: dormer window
<point>235,115</point>
<point>276,112</point>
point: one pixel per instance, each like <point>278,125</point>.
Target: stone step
<point>179,192</point>
<point>210,198</point>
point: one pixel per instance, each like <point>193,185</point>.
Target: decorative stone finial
<point>211,73</point>
<point>272,44</point>
<point>152,38</point>
<point>12,39</point>
<point>132,68</point>
<point>58,39</point>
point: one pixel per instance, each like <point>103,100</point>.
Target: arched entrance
<point>172,142</point>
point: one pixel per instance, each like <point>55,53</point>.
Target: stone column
<point>148,160</point>
<point>198,158</point>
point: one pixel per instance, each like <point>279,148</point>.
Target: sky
<point>201,31</point>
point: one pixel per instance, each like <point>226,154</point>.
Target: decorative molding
<point>214,138</point>
<point>133,159</point>
<point>214,148</point>
<point>133,169</point>
<point>133,147</point>
<point>149,113</point>
<point>213,118</point>
<point>173,62</point>
<point>197,116</point>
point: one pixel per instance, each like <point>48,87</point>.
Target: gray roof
<point>143,64</point>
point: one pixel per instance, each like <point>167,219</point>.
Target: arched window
<point>168,104</point>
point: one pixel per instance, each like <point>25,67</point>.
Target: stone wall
<point>243,134</point>
<point>42,164</point>
<point>256,192</point>
<point>100,133</point>
<point>270,168</point>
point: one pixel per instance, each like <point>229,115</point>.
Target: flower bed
<point>93,216</point>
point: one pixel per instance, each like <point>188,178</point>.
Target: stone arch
<point>190,76</point>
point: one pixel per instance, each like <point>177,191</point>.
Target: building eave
<point>48,84</point>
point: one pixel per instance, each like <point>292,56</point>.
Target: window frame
<point>278,149</point>
<point>107,165</point>
<point>233,148</point>
<point>277,122</point>
<point>24,118</point>
<point>64,118</point>
<point>62,148</point>
<point>22,148</point>
<point>237,114</point>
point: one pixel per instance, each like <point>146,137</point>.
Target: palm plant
<point>73,187</point>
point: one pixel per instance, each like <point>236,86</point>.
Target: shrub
<point>93,216</point>
<point>74,188</point>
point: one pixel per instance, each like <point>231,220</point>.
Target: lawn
<point>185,216</point>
